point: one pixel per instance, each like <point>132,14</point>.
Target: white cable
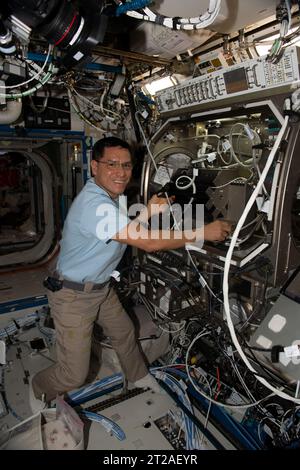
<point>220,151</point>
<point>159,311</point>
<point>289,13</point>
<point>102,99</point>
<point>202,280</point>
<point>251,135</point>
<point>228,260</point>
<point>259,175</point>
<point>202,21</point>
<point>241,179</point>
<point>274,190</point>
<point>198,389</point>
<point>190,183</point>
<point>243,383</point>
<point>145,140</point>
<point>34,77</point>
<point>150,14</point>
<point>94,105</point>
<point>213,16</point>
<point>77,110</point>
<point>156,168</point>
<point>32,90</point>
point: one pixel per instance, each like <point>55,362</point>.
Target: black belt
<point>54,284</point>
<point>82,287</point>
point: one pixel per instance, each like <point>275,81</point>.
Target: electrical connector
<point>226,145</point>
<point>292,351</point>
<point>2,353</point>
<point>210,157</point>
<point>275,351</point>
<point>287,107</point>
<point>295,101</point>
<point>249,132</point>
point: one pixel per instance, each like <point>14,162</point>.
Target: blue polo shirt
<point>87,252</point>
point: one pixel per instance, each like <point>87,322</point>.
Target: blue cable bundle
<point>192,435</point>
<point>85,392</point>
<point>134,5</point>
<point>145,98</point>
<point>107,423</point>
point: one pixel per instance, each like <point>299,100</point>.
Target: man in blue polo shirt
<point>95,236</point>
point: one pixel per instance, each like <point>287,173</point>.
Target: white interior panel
<point>233,15</point>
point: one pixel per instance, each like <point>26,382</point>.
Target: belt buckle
<point>88,287</point>
<point>98,286</point>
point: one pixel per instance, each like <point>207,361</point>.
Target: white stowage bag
<point>57,428</point>
<point>56,436</point>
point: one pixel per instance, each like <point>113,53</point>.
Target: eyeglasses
<point>112,165</point>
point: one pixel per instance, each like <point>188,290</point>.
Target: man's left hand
<point>158,205</point>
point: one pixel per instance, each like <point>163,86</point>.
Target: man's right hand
<point>217,231</point>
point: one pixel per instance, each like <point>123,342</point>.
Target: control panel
<point>255,75</point>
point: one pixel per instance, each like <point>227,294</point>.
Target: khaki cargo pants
<point>74,315</point>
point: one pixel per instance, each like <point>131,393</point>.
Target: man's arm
<point>154,240</point>
<point>135,234</point>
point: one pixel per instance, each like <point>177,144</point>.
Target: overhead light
<point>160,84</point>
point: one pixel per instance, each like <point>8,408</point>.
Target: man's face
<point>113,171</point>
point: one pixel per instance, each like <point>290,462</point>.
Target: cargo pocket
<point>69,320</point>
<point>75,348</point>
<point>69,333</point>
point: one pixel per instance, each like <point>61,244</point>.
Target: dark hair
<point>100,145</point>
